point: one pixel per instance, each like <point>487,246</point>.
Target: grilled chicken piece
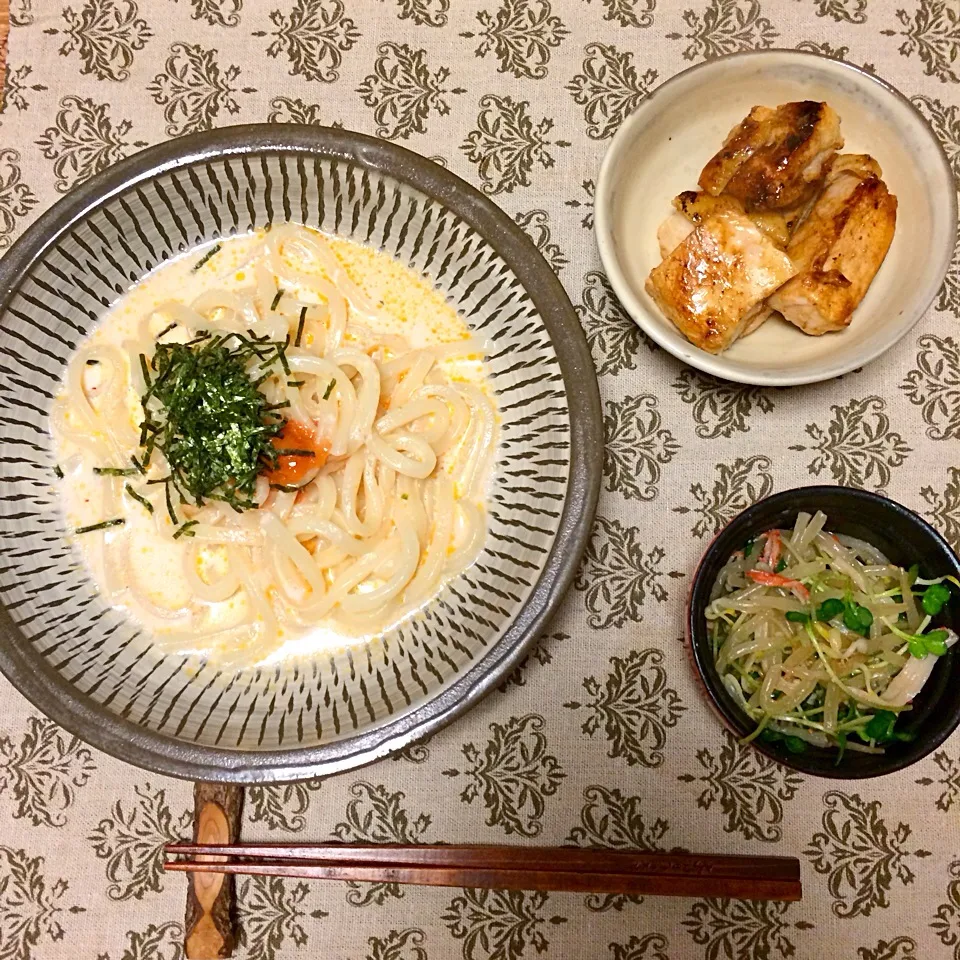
<point>713,285</point>
<point>838,249</point>
<point>693,208</point>
<point>757,319</point>
<point>775,158</point>
<point>672,232</point>
<point>861,164</point>
<point>697,205</point>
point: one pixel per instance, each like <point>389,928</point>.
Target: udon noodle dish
<point>274,446</point>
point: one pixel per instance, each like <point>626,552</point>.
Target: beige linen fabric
<point>602,737</point>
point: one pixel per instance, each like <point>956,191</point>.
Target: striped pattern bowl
<point>86,665</point>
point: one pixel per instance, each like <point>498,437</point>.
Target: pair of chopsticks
<point>568,869</point>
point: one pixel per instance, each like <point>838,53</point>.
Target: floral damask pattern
<point>44,772</point>
<point>425,13</point>
<point>295,110</point>
<point>720,408</point>
<point>542,653</point>
<point>588,187</point>
<point>399,945</point>
<point>834,52</point>
<point>21,13</point>
<point>106,34</point>
<point>857,448</point>
<point>619,572</point>
<point>629,13</point>
<point>851,11</point>
<point>16,198</point>
<point>614,339</point>
<point>415,752</point>
<point>724,27</point>
<point>743,929</point>
<point>932,33</point>
<point>653,946</point>
<point>507,144</point>
<point>32,908</point>
<point>944,117</point>
<point>281,806</point>
<point>218,13</point>
<point>934,386</point>
<point>403,91</point>
<point>84,141</point>
<point>750,789</point>
<point>500,924</point>
<point>609,819</point>
<point>15,86</point>
<point>859,855</point>
<point>514,775</point>
<point>900,948</point>
<point>946,923</point>
<point>948,296</point>
<point>273,911</point>
<point>738,484</point>
<point>609,89</point>
<point>948,784</point>
<point>635,707</point>
<point>314,36</point>
<point>537,225</point>
<point>131,838</point>
<point>599,736</point>
<point>637,446</point>
<point>157,942</point>
<point>521,34</point>
<point>193,90</point>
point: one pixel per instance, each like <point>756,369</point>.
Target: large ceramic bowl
<point>663,146</point>
<point>82,663</point>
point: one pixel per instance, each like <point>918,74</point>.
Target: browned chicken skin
<point>775,158</point>
<point>713,284</point>
<point>839,247</point>
<point>696,205</point>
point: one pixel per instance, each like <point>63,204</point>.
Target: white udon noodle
<point>386,521</point>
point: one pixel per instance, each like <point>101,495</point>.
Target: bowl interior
<point>661,150</point>
<point>905,539</point>
<point>83,662</point>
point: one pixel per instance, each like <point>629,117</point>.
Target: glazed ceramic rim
<point>51,694</point>
<point>734,721</point>
<point>700,359</point>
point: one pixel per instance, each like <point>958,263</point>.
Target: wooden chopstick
<point>572,869</point>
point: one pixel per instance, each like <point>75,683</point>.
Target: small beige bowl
<point>660,150</point>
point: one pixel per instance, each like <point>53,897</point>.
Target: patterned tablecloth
<point>601,737</point>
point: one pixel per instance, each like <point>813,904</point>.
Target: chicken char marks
<point>696,206</point>
<point>775,158</point>
<point>839,247</point>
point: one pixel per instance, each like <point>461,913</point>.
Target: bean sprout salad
<point>822,640</point>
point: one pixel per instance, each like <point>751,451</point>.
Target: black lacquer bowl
<point>906,539</point>
<point>83,664</point>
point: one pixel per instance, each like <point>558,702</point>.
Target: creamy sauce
<point>409,308</point>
